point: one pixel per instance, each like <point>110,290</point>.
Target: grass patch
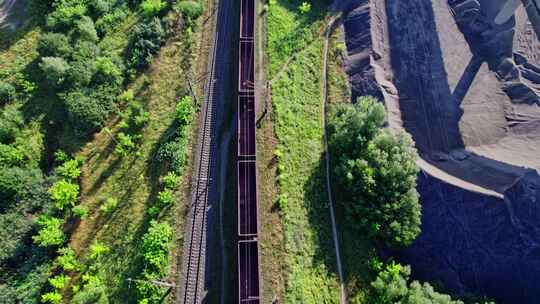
<point>296,100</point>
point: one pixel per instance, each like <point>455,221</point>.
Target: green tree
<point>54,45</point>
<point>376,169</point>
<point>7,92</point>
<point>10,156</point>
<point>64,194</point>
<point>11,121</point>
<point>184,110</point>
<point>67,259</point>
<point>189,9</point>
<point>146,41</point>
<point>152,7</point>
<point>50,231</point>
<point>55,69</point>
<point>52,297</point>
<point>86,29</point>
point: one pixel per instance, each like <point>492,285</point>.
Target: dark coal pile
<point>467,89</point>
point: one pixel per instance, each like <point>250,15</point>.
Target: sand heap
<point>466,89</point>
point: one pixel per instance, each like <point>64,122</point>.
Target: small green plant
<point>97,250</point>
<point>127,96</point>
<point>305,7</point>
<point>126,143</point>
<point>189,9</point>
<point>60,156</point>
<point>165,198</point>
<point>70,169</point>
<point>81,212</point>
<point>184,110</point>
<point>171,180</point>
<point>52,297</point>
<point>152,7</point>
<point>59,282</point>
<point>110,204</point>
<point>50,231</point>
<point>66,259</point>
<point>64,193</point>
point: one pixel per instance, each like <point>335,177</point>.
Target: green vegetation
<point>377,171</point>
<point>50,231</point>
<point>393,285</point>
<point>296,101</point>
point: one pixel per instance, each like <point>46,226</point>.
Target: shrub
<point>11,121</point>
<point>59,281</point>
<point>126,143</point>
<point>65,14</point>
<point>52,297</point>
<point>64,193</point>
<point>10,156</point>
<point>376,170</point>
<point>85,51</point>
<point>54,45</point>
<point>171,180</point>
<point>93,292</point>
<point>165,198</point>
<point>305,7</point>
<point>50,231</point>
<point>152,7</point>
<point>17,182</point>
<point>86,111</point>
<point>97,250</point>
<point>391,286</point>
<point>190,9</point>
<point>146,41</point>
<point>7,92</point>
<point>108,72</point>
<point>55,69</point>
<point>66,259</point>
<point>184,110</point>
<point>80,73</point>
<point>86,30</point>
<point>14,228</point>
<point>81,212</point>
<point>155,247</point>
<point>110,204</point>
<point>70,169</point>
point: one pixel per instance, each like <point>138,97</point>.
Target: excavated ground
<point>467,91</point>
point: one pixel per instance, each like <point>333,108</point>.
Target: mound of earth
<point>467,90</point>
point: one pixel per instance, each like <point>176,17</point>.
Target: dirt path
<point>329,30</point>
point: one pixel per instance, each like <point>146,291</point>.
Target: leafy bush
<point>108,72</point>
<point>110,204</point>
<point>152,7</point>
<point>16,182</point>
<point>146,41</point>
<point>171,180</point>
<point>7,92</point>
<point>81,212</point>
<point>391,286</point>
<point>70,169</point>
<point>66,13</point>
<point>10,156</point>
<point>67,260</point>
<point>54,45</point>
<point>156,242</point>
<point>165,198</point>
<point>190,9</point>
<point>305,7</point>
<point>94,291</point>
<point>97,250</point>
<point>80,73</point>
<point>55,69</point>
<point>52,297</point>
<point>11,121</point>
<point>126,144</point>
<point>50,231</point>
<point>64,193</point>
<point>107,21</point>
<point>85,50</point>
<point>376,170</point>
<point>59,281</point>
<point>86,30</point>
<point>86,111</point>
<point>14,229</point>
<point>184,110</point>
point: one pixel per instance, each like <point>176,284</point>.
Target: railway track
<point>192,281</point>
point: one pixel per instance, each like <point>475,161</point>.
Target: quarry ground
<point>467,92</point>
